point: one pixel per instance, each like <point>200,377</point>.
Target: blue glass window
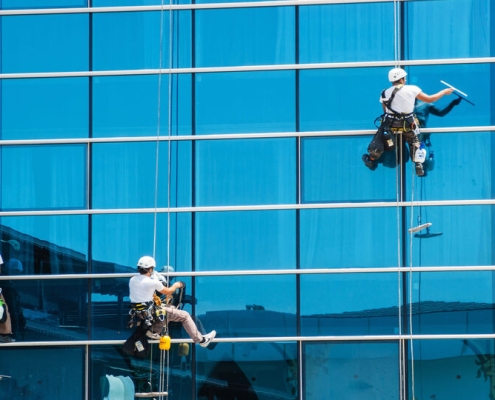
<point>131,40</point>
<point>53,176</point>
<point>368,30</point>
<point>45,108</point>
<point>245,102</point>
<point>128,106</point>
<point>35,4</point>
<point>245,240</point>
<point>223,168</point>
<point>39,44</point>
<point>245,36</point>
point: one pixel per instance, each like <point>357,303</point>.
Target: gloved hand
<point>182,284</point>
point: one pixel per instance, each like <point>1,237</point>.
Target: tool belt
<point>141,312</point>
<point>401,122</point>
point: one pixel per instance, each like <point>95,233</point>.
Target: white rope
<point>411,279</point>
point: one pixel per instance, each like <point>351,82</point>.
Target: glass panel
<point>245,36</point>
<point>223,168</point>
<point>128,106</point>
<point>38,44</point>
<point>124,175</point>
<point>463,306</point>
<point>245,102</point>
<point>337,99</point>
<point>425,38</point>
<point>349,238</point>
<point>245,240</point>
<point>458,236</point>
<point>118,3</point>
<point>52,177</point>
<point>47,310</point>
<point>368,30</point>
<point>44,108</point>
<point>247,306</point>
<point>35,4</point>
<point>366,305</point>
<point>248,371</point>
<point>131,40</point>
<point>48,245</point>
<point>38,373</point>
<point>351,371</point>
<point>120,240</point>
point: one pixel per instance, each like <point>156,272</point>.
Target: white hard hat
<point>146,262</point>
<point>395,74</point>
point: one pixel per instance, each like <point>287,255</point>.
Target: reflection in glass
<point>248,240</point>
<point>351,371</point>
<point>38,373</point>
<point>223,167</point>
<point>248,371</point>
<point>247,306</point>
<point>52,177</point>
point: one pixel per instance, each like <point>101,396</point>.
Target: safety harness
<point>397,121</point>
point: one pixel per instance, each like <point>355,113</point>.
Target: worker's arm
<point>434,97</point>
<point>170,290</point>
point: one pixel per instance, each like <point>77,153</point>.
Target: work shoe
<point>6,339</point>
<point>207,339</point>
<point>368,161</point>
<point>419,169</point>
<point>151,335</point>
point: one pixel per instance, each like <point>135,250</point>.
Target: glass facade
<point>225,139</point>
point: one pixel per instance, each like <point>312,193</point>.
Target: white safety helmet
<point>146,262</point>
<point>395,74</point>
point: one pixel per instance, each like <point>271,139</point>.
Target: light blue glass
<point>124,3</point>
<point>452,368</point>
<point>350,237</point>
<point>139,174</point>
<point>463,305</point>
<point>350,304</point>
<point>368,30</point>
<point>249,371</point>
<point>39,45</point>
<point>248,240</point>
<point>245,36</point>
<point>131,40</point>
<point>42,379</point>
<point>245,102</point>
<point>247,306</point>
<point>223,168</point>
<point>338,99</point>
<point>54,177</point>
<point>131,106</point>
<point>332,171</point>
<point>120,240</point>
<point>35,4</point>
<point>351,370</point>
<point>47,108</point>
<point>48,245</point>
<point>464,29</point>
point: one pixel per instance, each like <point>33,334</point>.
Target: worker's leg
<point>413,142</point>
<point>175,315</point>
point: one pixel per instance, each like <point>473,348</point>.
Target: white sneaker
<point>208,338</point>
<point>152,335</point>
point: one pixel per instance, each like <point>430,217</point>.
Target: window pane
<point>48,245</point>
<point>351,371</point>
<point>368,30</point>
<point>131,40</point>
<point>35,4</point>
<point>223,168</point>
<point>120,240</point>
<point>464,305</point>
<point>366,305</point>
<point>53,176</point>
<point>124,174</point>
<point>45,108</point>
<point>243,102</point>
<point>128,106</point>
<point>425,38</point>
<point>245,240</point>
<point>249,36</point>
<point>40,374</point>
<point>38,44</point>
<point>247,306</point>
<point>248,371</point>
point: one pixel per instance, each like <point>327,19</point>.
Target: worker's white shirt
<point>404,99</point>
<point>142,287</point>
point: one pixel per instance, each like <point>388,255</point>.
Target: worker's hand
<point>447,92</point>
<point>181,284</point>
